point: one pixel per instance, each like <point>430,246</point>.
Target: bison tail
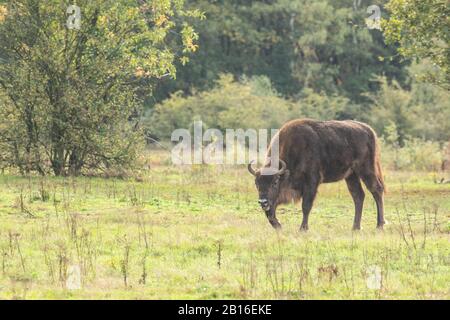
<point>379,173</point>
<point>378,169</point>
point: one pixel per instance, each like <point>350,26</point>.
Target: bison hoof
<point>275,224</point>
<point>303,228</point>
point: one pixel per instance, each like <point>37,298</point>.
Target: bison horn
<point>250,168</point>
<point>283,167</point>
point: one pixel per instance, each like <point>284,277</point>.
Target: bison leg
<point>309,194</point>
<point>357,192</point>
<point>271,216</point>
<point>375,186</point>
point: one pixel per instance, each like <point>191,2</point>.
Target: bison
<point>313,152</point>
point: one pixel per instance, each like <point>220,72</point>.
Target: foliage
<point>254,103</point>
<point>71,99</point>
<point>422,30</point>
<point>415,155</point>
<point>322,45</point>
<point>422,111</point>
<point>251,103</point>
<point>391,104</point>
<point>320,106</point>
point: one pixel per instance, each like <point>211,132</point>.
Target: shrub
<point>249,103</point>
<point>415,154</point>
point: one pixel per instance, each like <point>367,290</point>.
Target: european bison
<point>314,152</point>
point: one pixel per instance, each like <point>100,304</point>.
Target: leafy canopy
<point>422,28</point>
<point>71,99</point>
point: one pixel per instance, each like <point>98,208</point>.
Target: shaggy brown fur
<point>318,152</point>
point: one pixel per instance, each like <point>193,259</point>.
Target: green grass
<point>197,233</point>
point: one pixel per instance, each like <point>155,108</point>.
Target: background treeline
<point>323,45</point>
<point>261,63</point>
<point>89,99</point>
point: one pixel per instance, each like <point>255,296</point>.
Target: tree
<point>72,99</point>
<point>422,30</point>
<point>322,45</point>
<point>420,112</point>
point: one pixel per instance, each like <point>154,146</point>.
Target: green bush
<point>421,111</point>
<point>249,103</point>
<point>320,106</point>
<point>415,154</point>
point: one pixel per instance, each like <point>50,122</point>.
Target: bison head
<point>268,182</point>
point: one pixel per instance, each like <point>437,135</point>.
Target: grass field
<point>198,233</point>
